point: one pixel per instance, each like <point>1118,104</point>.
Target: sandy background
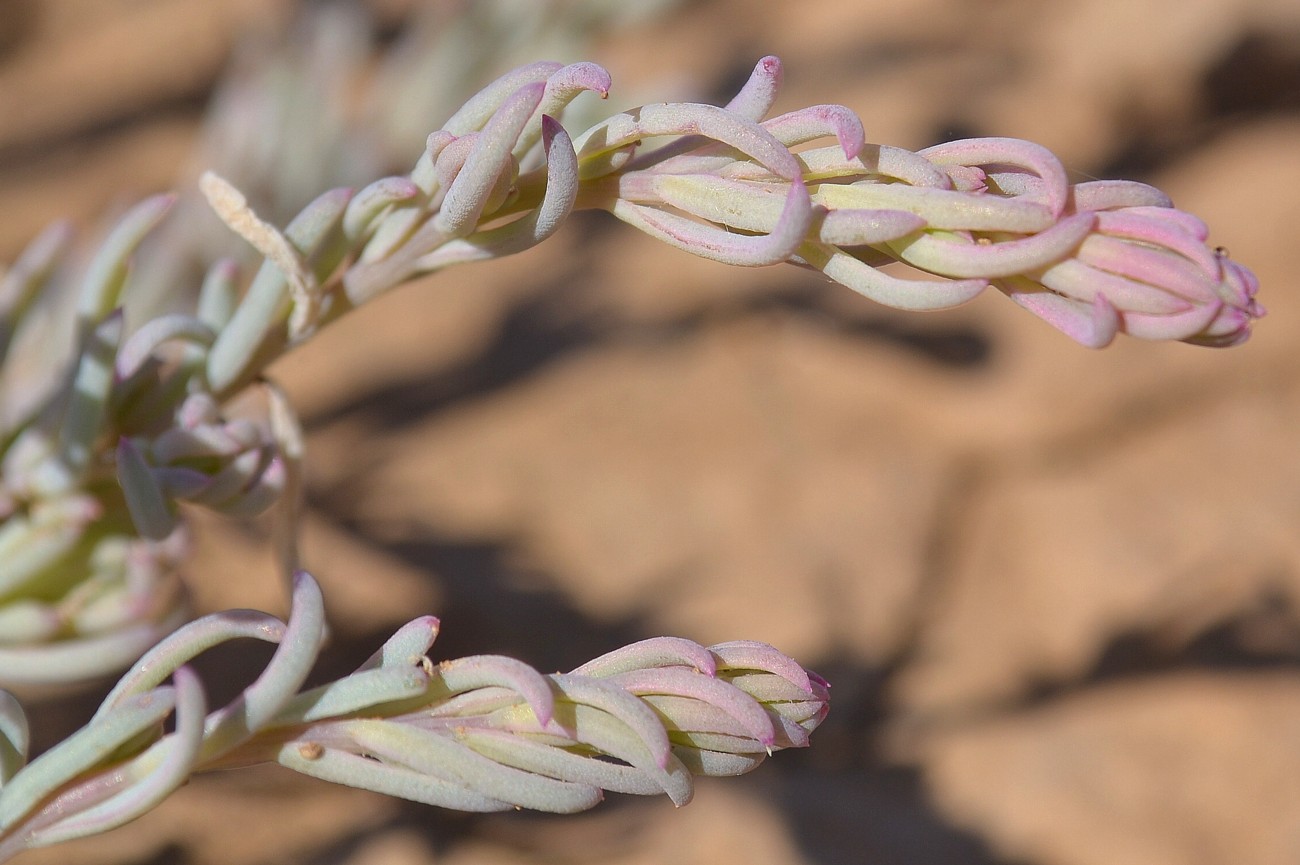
<point>1057,591</point>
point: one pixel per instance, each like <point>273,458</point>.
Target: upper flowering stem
<point>731,184</point>
<point>1093,259</point>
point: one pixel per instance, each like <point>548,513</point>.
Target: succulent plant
<point>124,418</point>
